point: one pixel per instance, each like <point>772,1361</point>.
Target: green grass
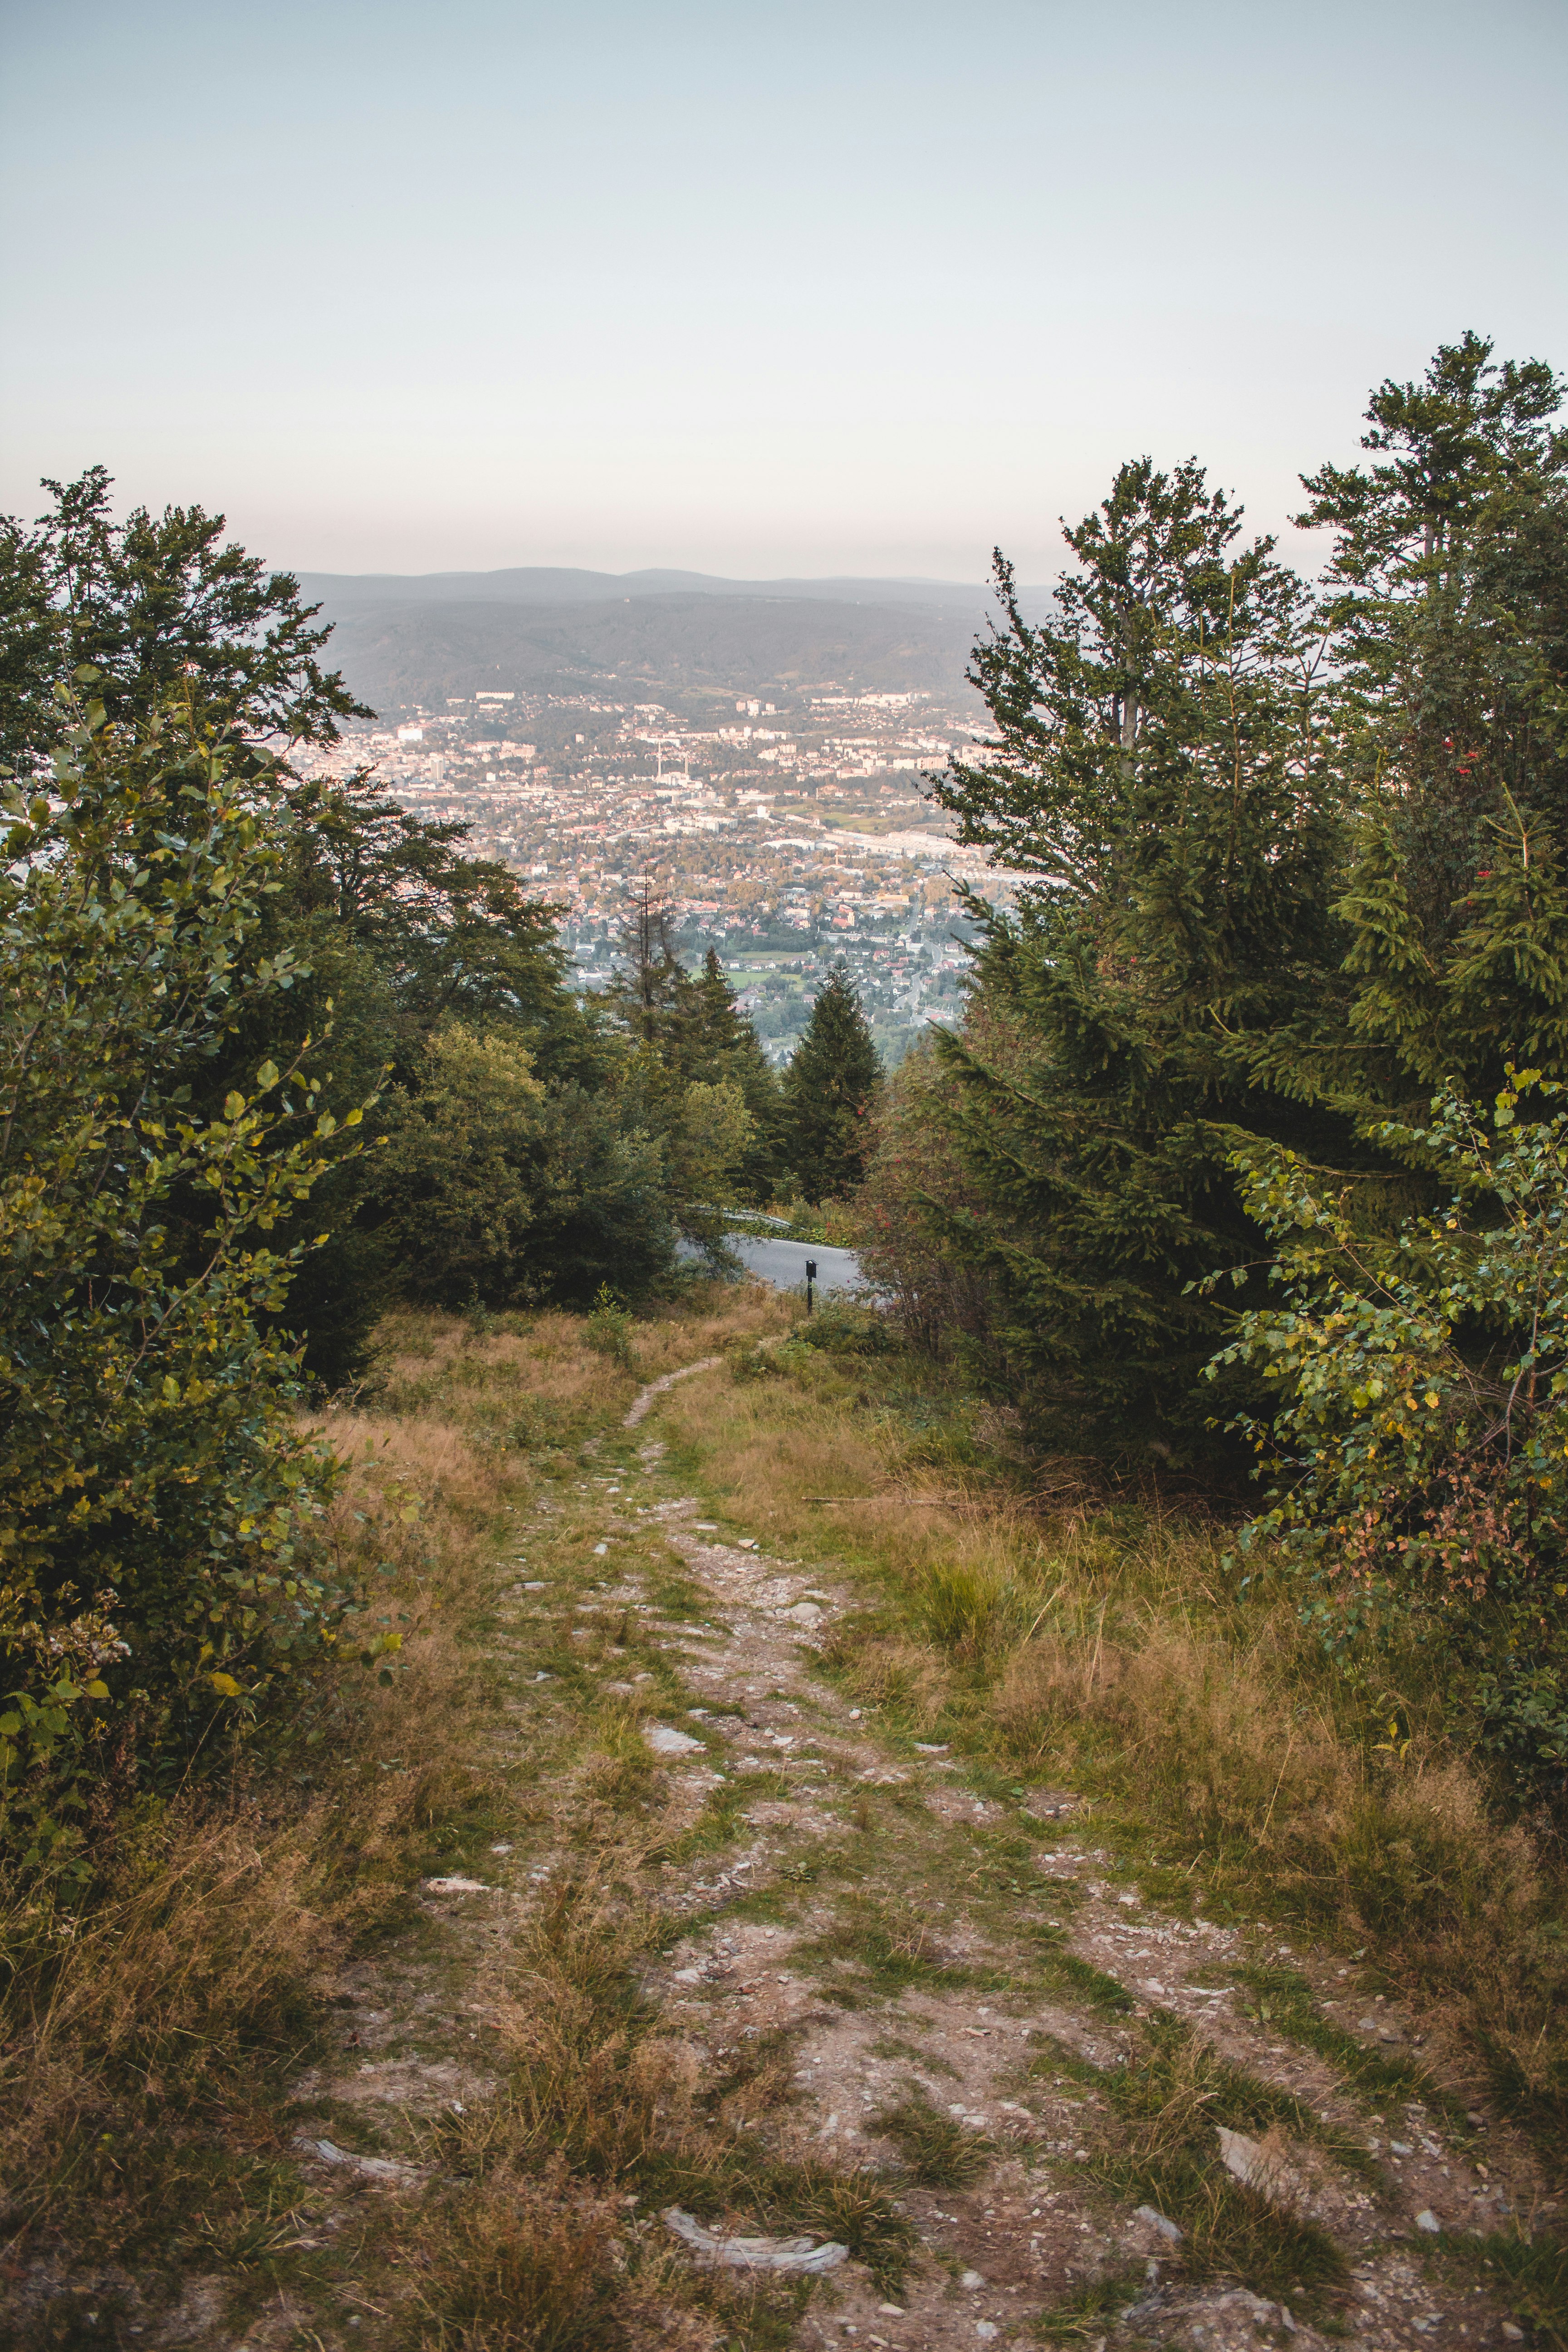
<point>1283,1999</point>
<point>941,2152</point>
<point>1534,2271</point>
<point>888,1960</point>
<point>1091,2310</point>
<point>1163,2149</point>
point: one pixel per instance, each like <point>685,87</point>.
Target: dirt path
<point>903,1944</point>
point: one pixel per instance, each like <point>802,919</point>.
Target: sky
<point>762,287</point>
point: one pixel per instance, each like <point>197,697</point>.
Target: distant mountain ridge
<point>689,639</point>
<point>560,585</point>
<point>693,653</point>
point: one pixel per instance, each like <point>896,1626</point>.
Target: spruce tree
<point>1164,769</point>
<point>1449,596</point>
<point>722,1042</point>
<point>1299,858</point>
<point>830,1091</point>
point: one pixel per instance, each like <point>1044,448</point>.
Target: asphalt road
<point>783,1263</point>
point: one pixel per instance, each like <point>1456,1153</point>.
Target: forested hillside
<point>1195,1479</point>
<point>690,648</point>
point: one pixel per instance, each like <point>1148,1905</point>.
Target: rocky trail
<point>898,1973</point>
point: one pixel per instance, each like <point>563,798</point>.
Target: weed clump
<point>1169,2099</point>
<point>941,2152</point>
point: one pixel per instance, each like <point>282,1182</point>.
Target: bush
<point>609,1328</point>
<point>1423,1424</point>
<point>160,1577</point>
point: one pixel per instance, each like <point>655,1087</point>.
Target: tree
<point>1420,1381</point>
<point>649,986</point>
<point>1165,765</point>
<point>723,1041</point>
<point>698,1071</point>
<point>158,1564</point>
<point>1448,598</point>
<point>155,604</point>
<point>1300,861</point>
<point>498,1188</point>
<point>830,1091</point>
<point>388,925</point>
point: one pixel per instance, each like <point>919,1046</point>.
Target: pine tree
<point>722,1042</point>
<point>830,1091</point>
<point>1300,860</point>
<point>1164,769</point>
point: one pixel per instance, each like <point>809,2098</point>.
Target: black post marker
<point>810,1278</point>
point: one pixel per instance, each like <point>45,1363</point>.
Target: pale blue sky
<point>750,288</point>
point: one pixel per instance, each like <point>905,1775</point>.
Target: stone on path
<point>665,1741</point>
<point>755,2254</point>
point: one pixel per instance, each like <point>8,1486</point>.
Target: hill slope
<point>689,647</point>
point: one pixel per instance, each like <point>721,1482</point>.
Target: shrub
<point>609,1327</point>
<point>1423,1424</point>
<point>159,1575</point>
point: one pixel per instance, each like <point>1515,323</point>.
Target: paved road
<point>783,1263</point>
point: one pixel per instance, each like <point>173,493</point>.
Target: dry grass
<point>146,2038</point>
<point>1110,1647</point>
<point>605,2114</point>
<point>147,2041</point>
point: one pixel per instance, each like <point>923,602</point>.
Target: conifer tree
<point>724,1043</point>
<point>1163,767</point>
<point>830,1092</point>
<point>1300,860</point>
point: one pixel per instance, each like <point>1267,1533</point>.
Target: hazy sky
<point>750,288</point>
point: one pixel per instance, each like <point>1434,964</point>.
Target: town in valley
<point>790,834</point>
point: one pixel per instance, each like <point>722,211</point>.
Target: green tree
<point>1300,861</point>
<point>1419,1386</point>
<point>1165,766</point>
<point>403,932</point>
<point>155,603</point>
<point>724,1042</point>
<point>497,1187</point>
<point>698,1076</point>
<point>831,1089</point>
<point>1449,597</point>
<point>390,926</point>
<point>158,1567</point>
